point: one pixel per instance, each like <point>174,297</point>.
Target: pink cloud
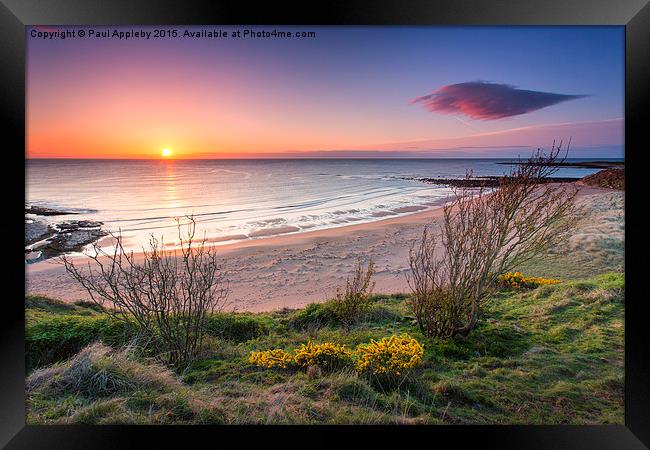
<point>489,101</point>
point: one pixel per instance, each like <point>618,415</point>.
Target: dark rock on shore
<point>73,241</point>
<point>74,225</point>
<point>583,164</point>
<point>482,181</point>
<point>70,236</point>
<point>458,182</point>
<point>42,211</point>
<point>37,230</point>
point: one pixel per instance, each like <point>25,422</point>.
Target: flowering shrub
<point>516,280</point>
<point>326,355</point>
<point>390,356</point>
<point>271,358</point>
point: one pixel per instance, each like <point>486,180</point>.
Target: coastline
<point>279,271</point>
<point>295,269</point>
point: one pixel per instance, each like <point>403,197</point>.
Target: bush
<point>89,305</point>
<point>484,233</point>
<point>169,293</point>
<point>313,316</point>
<point>237,327</point>
<point>517,280</point>
<point>318,315</point>
<point>58,338</point>
<point>271,358</point>
<point>37,302</point>
<point>327,355</point>
<point>354,299</point>
<point>390,356</point>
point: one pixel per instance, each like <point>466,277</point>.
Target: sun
<point>166,152</point>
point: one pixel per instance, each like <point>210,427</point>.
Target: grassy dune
<point>596,246</point>
<point>549,355</point>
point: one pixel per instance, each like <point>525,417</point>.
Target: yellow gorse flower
<point>271,358</point>
<point>390,356</point>
<point>327,355</point>
<point>516,280</point>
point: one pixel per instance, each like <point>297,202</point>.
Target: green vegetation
<point>350,303</point>
<point>56,331</point>
<point>548,355</point>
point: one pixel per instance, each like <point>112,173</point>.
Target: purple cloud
<point>489,101</point>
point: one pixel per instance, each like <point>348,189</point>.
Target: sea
<point>235,200</point>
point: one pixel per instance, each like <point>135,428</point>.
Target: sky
<point>347,92</point>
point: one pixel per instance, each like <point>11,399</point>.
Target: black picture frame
<point>16,14</point>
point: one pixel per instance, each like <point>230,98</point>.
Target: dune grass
<point>596,245</point>
<point>544,356</point>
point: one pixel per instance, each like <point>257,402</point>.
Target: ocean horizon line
<point>65,158</point>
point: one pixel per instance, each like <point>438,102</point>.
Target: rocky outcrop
<point>581,164</point>
<point>60,238</point>
<point>481,181</point>
<point>42,211</point>
<point>36,230</point>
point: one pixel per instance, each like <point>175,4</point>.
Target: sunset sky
<point>350,91</point>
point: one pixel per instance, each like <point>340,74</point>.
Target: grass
<point>101,385</point>
<point>544,356</point>
<point>56,331</point>
<point>596,245</point>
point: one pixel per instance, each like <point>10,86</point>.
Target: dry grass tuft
<point>99,371</point>
<point>603,295</point>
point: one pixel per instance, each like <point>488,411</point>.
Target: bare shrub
<point>354,300</point>
<point>435,310</point>
<point>170,294</point>
<point>485,233</point>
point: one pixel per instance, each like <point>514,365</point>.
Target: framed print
<point>338,217</point>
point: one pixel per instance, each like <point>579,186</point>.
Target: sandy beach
<point>294,270</point>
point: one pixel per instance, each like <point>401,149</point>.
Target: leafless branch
<point>485,233</point>
<point>168,293</point>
